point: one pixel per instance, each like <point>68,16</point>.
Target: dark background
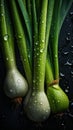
<point>13,118</point>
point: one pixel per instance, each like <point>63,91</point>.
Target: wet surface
<point>14,119</point>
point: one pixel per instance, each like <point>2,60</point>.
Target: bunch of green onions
<point>35,28</point>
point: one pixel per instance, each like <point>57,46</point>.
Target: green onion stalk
<point>21,40</point>
<point>38,108</point>
<point>15,85</point>
<point>58,99</point>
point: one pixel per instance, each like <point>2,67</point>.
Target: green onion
<point>38,108</point>
<point>15,85</point>
<point>21,40</point>
<point>58,99</point>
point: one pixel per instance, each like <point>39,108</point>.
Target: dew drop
<point>34,49</point>
<point>58,101</point>
<point>36,43</point>
<point>62,124</point>
<point>38,65</point>
<point>33,94</point>
<point>68,63</point>
<point>33,81</point>
<point>61,74</point>
<point>11,90</point>
<point>2,14</point>
<point>72,104</point>
<point>68,39</point>
<point>43,40</point>
<point>37,54</point>
<point>29,56</point>
<point>7,58</point>
<point>65,53</point>
<point>41,103</point>
<point>72,72</point>
<point>71,46</point>
<point>41,51</point>
<point>19,36</point>
<point>66,90</point>
<point>1,5</point>
<point>35,101</point>
<point>46,111</point>
<point>5,37</point>
<point>19,81</point>
<point>11,59</point>
<point>24,59</point>
<point>71,13</point>
<point>42,21</point>
<point>55,56</point>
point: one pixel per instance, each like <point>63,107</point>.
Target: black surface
<point>14,119</point>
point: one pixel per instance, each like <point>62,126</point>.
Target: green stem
<point>24,1</point>
<point>26,19</point>
<point>6,38</point>
<point>29,9</point>
<point>40,51</point>
<point>54,37</point>
<point>66,4</point>
<point>21,41</point>
<point>49,71</point>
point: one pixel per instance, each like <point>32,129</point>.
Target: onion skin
<point>15,84</point>
<point>57,98</point>
<point>38,108</point>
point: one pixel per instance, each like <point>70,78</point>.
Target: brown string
<point>56,81</point>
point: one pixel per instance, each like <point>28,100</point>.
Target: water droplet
<point>68,39</point>
<point>2,14</point>
<point>40,80</point>
<point>35,101</point>
<point>68,63</point>
<point>11,59</point>
<point>34,49</point>
<point>72,72</point>
<point>7,58</point>
<point>24,59</point>
<point>66,90</point>
<point>61,74</point>
<point>6,37</point>
<point>36,43</point>
<point>19,81</point>
<point>19,36</point>
<point>46,111</point>
<point>58,101</point>
<point>29,56</point>
<point>71,13</point>
<point>11,90</point>
<point>72,104</point>
<point>37,54</point>
<point>43,40</point>
<point>41,103</point>
<point>38,64</point>
<point>71,46</point>
<point>42,21</point>
<point>65,53</point>
<point>33,81</point>
<point>1,5</point>
<point>55,56</point>
<point>41,50</point>
<point>33,94</point>
<point>62,124</point>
